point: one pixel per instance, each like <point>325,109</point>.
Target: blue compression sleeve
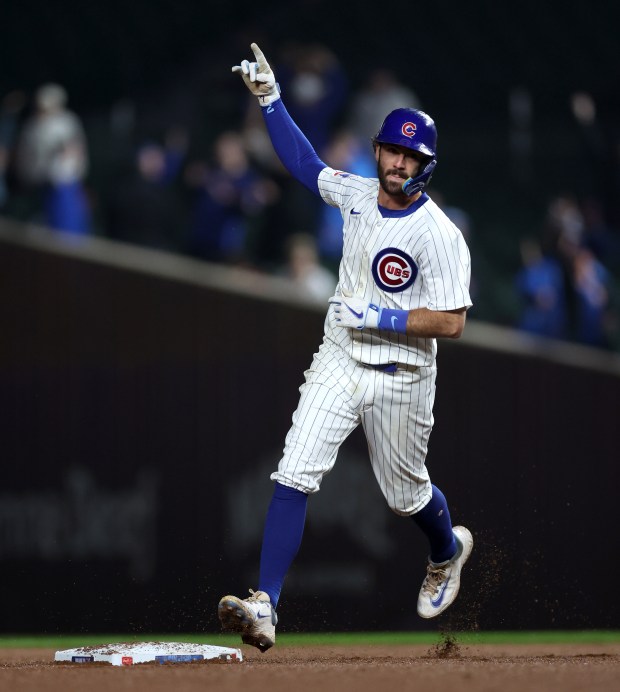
<point>292,147</point>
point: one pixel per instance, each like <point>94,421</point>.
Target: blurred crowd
<point>225,198</point>
<point>565,284</point>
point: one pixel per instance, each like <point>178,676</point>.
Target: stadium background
<point>139,422</point>
<point>171,61</point>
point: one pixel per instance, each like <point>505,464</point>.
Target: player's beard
<point>391,187</point>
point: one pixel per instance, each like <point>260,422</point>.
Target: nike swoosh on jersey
<point>359,315</point>
<point>355,212</point>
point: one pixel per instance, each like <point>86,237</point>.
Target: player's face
<point>394,165</point>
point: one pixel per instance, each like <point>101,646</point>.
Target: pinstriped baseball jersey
<point>416,258</point>
<point>402,260</point>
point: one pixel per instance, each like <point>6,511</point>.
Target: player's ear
<point>376,148</point>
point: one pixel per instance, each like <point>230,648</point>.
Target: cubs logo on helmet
<point>409,128</point>
<point>394,270</point>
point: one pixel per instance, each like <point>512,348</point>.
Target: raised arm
<point>289,142</point>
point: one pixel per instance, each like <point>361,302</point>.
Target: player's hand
<point>259,77</point>
<point>355,313</point>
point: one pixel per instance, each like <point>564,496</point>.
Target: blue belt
<point>385,367</point>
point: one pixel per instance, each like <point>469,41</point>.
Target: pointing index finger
<point>258,54</point>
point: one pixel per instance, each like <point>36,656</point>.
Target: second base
<point>130,653</point>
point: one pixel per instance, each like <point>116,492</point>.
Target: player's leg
<point>398,428</point>
<point>435,522</point>
<point>255,617</point>
<point>450,548</point>
<point>284,528</point>
<point>326,415</point>
<point>398,425</point>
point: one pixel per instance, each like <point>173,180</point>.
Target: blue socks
<point>284,528</point>
<point>435,522</point>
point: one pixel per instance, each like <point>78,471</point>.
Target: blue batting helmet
<point>412,129</point>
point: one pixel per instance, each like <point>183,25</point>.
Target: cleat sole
<point>233,616</point>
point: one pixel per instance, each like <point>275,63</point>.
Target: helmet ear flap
<point>413,185</point>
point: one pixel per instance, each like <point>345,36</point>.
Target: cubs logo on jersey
<point>394,270</point>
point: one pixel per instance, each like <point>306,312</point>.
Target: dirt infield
<point>551,668</point>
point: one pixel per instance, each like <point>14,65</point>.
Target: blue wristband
<point>394,320</point>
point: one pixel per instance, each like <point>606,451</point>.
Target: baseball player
<point>403,282</point>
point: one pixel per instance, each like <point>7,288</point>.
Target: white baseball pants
<point>396,413</point>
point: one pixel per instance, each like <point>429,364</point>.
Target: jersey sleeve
<point>338,188</point>
<point>445,263</point>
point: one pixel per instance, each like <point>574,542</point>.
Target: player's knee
<point>402,511</point>
<point>305,484</point>
<point>416,502</point>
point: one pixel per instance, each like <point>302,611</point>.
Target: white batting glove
<point>259,77</point>
<point>355,313</point>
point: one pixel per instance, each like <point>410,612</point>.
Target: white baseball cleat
<point>441,584</point>
<point>254,617</point>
